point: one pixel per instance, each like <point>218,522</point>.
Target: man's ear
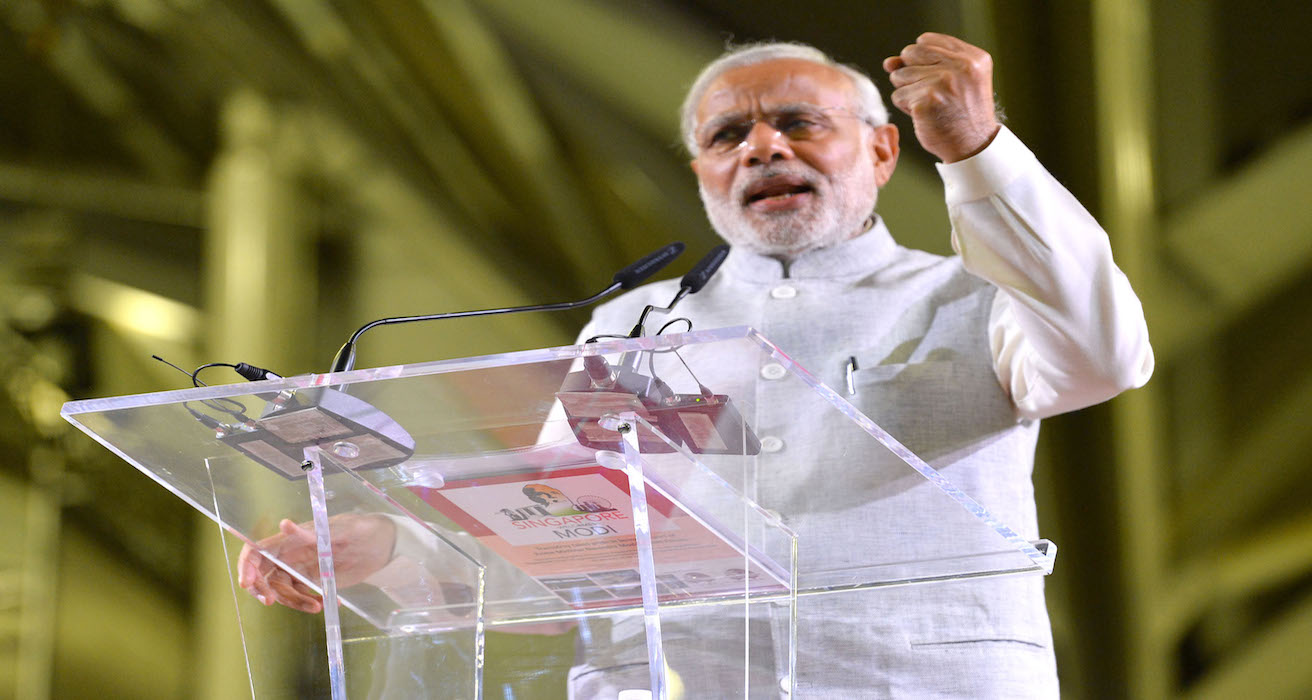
<point>884,149</point>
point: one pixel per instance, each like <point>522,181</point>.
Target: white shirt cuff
<point>1000,163</point>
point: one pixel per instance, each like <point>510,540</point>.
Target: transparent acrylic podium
<point>648,512</point>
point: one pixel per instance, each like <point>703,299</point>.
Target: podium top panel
<point>727,425</point>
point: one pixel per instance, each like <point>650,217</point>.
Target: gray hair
<point>869,105</point>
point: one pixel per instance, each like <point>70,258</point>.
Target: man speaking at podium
<point>1032,318</point>
<point>958,357</point>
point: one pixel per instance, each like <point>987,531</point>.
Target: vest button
<point>784,291</point>
<point>774,370</point>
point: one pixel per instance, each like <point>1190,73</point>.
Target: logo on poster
<point>585,516</point>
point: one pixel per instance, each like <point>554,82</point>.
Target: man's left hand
<point>946,86</point>
<point>362,544</point>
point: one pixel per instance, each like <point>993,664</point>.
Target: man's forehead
<point>785,81</point>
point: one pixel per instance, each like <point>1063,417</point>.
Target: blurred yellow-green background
<point>249,180</point>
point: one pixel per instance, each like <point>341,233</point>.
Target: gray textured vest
<point>917,325</point>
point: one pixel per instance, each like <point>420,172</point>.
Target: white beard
<point>839,208</point>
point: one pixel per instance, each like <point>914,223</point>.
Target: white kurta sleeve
<point>1066,329</point>
<point>405,578</point>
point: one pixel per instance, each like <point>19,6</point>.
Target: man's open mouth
<point>777,190</point>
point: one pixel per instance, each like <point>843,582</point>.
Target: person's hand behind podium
<point>362,544</point>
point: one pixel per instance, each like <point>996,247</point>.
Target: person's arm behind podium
<point>362,546</point>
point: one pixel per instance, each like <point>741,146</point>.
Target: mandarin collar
<point>862,254</point>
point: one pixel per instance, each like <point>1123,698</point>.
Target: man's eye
<point>796,124</point>
<point>726,135</point>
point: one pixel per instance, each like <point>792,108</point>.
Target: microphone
<point>646,266</point>
<point>627,278</point>
<point>691,283</point>
<point>701,273</point>
<point>703,422</point>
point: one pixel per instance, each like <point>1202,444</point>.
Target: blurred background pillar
<point>260,272</point>
<point>1123,70</point>
<point>30,518</point>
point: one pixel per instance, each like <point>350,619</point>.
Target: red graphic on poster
<point>572,530</point>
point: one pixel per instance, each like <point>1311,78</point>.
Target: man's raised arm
<point>1067,330</point>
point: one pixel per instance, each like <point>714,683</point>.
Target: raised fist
<point>946,86</point>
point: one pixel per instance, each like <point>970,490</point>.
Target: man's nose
<point>764,143</point>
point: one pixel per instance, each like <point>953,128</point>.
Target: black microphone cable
<point>691,283</point>
<point>249,372</point>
